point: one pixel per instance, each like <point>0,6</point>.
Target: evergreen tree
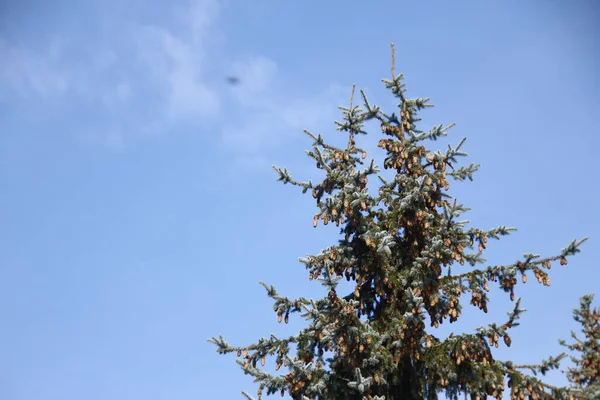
<point>397,247</point>
<point>585,376</point>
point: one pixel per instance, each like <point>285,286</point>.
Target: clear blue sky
<point>139,211</point>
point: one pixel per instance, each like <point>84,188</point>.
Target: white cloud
<point>279,123</point>
<point>177,61</point>
<point>26,72</point>
<point>257,76</point>
<point>137,65</point>
<point>189,96</point>
<point>148,77</point>
<point>201,16</point>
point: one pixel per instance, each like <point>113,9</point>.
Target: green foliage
<point>586,374</point>
<point>396,248</point>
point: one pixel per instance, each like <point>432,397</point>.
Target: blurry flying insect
<point>232,80</point>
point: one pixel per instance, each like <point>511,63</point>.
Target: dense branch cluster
<point>586,373</point>
<point>396,247</point>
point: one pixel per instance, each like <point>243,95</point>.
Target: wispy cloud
<point>271,116</point>
<point>178,69</point>
<point>149,78</point>
<point>177,61</point>
<point>27,73</point>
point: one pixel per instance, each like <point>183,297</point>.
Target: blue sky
<point>139,210</point>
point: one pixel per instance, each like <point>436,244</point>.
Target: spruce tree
<point>585,375</point>
<point>397,247</point>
